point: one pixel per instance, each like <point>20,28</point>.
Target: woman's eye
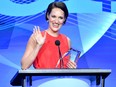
<point>61,17</point>
<point>53,16</point>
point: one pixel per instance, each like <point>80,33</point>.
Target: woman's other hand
<point>71,64</point>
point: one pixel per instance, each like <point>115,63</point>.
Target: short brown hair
<point>60,5</point>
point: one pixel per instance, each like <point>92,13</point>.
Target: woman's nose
<point>56,20</point>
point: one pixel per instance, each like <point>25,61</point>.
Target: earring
<point>47,20</point>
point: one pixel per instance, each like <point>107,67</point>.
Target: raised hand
<point>38,36</point>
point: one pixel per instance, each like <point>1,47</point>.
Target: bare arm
<point>33,46</point>
<point>69,42</point>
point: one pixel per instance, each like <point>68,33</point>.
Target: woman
<point>41,50</point>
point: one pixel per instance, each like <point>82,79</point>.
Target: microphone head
<point>57,42</point>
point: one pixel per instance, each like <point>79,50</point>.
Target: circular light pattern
<point>23,1</point>
<point>61,81</point>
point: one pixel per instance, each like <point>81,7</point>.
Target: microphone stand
<point>57,42</point>
<point>61,59</point>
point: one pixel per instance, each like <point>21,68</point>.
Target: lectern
<point>24,77</point>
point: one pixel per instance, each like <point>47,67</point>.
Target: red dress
<point>48,55</point>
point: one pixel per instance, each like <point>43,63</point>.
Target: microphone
<point>57,43</point>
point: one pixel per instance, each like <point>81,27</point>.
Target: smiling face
<point>56,19</point>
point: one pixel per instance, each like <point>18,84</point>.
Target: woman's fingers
<point>38,29</point>
<point>38,36</point>
<point>71,64</point>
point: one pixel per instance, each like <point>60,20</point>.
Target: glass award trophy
<point>74,54</point>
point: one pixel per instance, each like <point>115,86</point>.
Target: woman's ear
<point>64,20</point>
<point>47,16</point>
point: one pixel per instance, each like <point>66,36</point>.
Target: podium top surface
<point>39,71</point>
<point>58,72</point>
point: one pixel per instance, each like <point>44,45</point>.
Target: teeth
<point>56,25</point>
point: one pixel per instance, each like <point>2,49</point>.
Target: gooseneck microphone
<point>57,43</point>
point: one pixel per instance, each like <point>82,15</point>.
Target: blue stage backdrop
<point>91,25</point>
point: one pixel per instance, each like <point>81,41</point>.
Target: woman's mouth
<point>55,25</point>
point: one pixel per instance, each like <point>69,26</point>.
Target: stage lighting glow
<point>59,82</point>
<point>93,26</point>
